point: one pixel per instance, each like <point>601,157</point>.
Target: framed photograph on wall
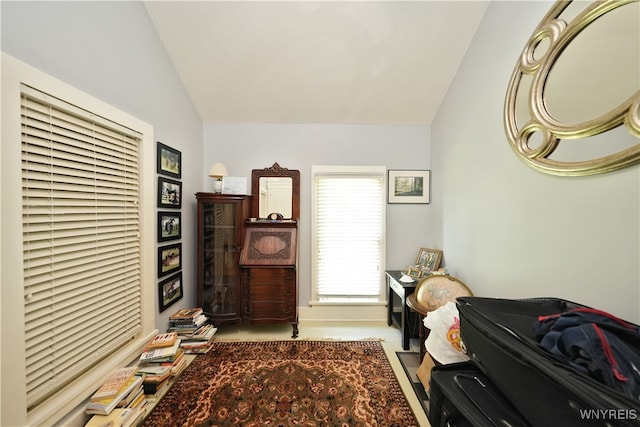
<point>169,161</point>
<point>169,193</point>
<point>429,258</point>
<point>169,259</point>
<point>169,227</point>
<point>409,186</point>
<point>170,290</point>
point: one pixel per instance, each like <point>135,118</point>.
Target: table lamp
<point>218,170</point>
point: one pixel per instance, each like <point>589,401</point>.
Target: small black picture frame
<point>169,259</point>
<point>169,161</point>
<point>169,225</point>
<point>170,290</point>
<point>169,193</point>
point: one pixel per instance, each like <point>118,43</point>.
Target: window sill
<point>344,311</point>
<point>347,302</point>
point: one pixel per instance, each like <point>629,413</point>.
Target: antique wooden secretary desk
<point>247,265</point>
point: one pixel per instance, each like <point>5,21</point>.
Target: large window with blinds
<point>348,234</point>
<point>81,247</point>
<point>78,289</point>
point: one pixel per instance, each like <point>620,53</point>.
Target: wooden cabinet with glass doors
<point>221,220</point>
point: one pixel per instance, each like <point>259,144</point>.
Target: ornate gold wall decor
<point>543,112</point>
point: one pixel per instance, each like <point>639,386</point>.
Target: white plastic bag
<point>443,342</point>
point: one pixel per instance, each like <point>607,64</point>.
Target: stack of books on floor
<point>196,335</point>
<point>162,359</point>
<point>119,402</point>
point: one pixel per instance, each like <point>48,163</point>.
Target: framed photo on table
<point>429,258</point>
<point>409,186</point>
<point>414,273</point>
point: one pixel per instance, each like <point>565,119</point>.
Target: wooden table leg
<point>421,336</point>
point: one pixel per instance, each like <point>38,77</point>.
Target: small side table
<point>405,319</point>
<point>423,331</point>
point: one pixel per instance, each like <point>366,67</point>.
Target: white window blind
<point>349,234</point>
<point>81,240</point>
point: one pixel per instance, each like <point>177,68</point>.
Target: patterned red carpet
<point>287,383</point>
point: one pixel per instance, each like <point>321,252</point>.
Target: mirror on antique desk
<point>269,255</point>
<point>275,190</point>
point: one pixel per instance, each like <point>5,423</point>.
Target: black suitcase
<point>498,336</point>
<point>461,396</point>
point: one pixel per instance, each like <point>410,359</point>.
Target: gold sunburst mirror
<point>573,102</point>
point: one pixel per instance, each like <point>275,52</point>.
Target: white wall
<point>243,147</point>
<point>509,231</point>
<point>111,50</point>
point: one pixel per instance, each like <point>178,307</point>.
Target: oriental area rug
<point>286,383</point>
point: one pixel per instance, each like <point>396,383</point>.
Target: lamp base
<point>217,186</point>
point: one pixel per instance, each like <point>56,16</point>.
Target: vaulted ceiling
<point>355,62</point>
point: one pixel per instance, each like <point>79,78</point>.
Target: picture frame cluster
<point>427,262</point>
<point>169,225</point>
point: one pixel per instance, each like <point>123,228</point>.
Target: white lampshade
<point>218,170</point>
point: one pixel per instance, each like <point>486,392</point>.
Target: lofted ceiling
<point>355,62</point>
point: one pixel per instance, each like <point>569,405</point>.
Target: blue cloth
<point>596,343</point>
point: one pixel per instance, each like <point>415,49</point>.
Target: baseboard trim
<point>343,313</point>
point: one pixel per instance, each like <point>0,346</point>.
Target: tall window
<point>348,234</point>
<point>81,244</point>
<point>78,291</point>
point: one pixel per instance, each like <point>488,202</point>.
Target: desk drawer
<point>397,287</point>
<point>281,311</point>
<point>273,293</point>
<point>270,276</point>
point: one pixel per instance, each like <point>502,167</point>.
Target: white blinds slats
<point>81,244</point>
<point>348,235</point>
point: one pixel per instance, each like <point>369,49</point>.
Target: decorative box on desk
<point>397,311</point>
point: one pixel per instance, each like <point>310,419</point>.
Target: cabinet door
<point>220,228</point>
